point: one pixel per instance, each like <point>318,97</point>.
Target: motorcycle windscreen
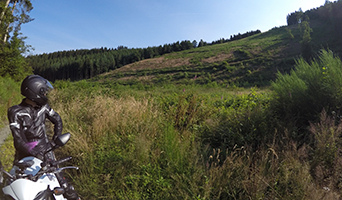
<point>24,189</point>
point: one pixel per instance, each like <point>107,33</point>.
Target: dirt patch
<point>4,132</point>
<point>141,78</point>
<point>154,63</point>
<point>218,58</point>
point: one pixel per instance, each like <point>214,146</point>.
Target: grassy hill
<point>247,62</point>
<point>214,145</point>
<point>249,59</point>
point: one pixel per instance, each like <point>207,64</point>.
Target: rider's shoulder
<point>22,107</point>
<point>15,108</point>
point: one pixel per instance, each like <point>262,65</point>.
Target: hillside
<point>247,62</point>
<point>248,59</point>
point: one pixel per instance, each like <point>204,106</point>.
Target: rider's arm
<point>56,120</point>
<point>17,120</point>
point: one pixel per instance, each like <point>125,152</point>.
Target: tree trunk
<point>3,12</point>
<point>5,35</point>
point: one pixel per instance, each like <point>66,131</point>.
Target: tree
<point>201,43</point>
<point>13,13</point>
<point>12,63</point>
<point>194,43</point>
<point>306,40</point>
<point>186,44</point>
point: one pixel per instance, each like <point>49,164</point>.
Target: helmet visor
<point>45,90</point>
<point>48,84</point>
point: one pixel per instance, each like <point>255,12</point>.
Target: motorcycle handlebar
<point>53,169</point>
<point>55,163</point>
<point>6,173</point>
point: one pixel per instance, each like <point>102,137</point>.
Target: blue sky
<point>85,24</point>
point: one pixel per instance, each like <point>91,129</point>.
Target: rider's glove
<point>36,153</point>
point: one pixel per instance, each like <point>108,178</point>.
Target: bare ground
<point>4,132</point>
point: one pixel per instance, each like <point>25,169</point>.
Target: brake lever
<point>68,167</point>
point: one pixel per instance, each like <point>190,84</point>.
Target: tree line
<point>84,64</point>
<point>329,12</point>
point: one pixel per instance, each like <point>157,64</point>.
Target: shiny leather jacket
<point>27,124</point>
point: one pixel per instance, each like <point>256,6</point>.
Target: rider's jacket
<point>27,124</point>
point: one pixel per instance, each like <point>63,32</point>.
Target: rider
<point>27,123</point>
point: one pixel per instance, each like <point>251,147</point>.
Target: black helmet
<point>35,88</point>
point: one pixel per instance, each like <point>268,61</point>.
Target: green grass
<point>9,95</point>
<point>248,62</point>
<point>7,153</point>
<point>190,142</point>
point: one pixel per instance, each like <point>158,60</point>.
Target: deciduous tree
<point>13,13</point>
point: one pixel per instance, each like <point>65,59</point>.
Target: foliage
<point>12,62</point>
<point>306,41</point>
<point>241,120</point>
<point>12,16</point>
<point>301,95</point>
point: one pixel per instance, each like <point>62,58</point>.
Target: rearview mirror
<point>62,139</point>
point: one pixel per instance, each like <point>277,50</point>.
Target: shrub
<point>241,120</point>
<point>311,87</point>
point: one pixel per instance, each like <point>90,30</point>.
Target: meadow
<point>205,141</point>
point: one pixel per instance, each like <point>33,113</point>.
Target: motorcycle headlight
<point>58,191</point>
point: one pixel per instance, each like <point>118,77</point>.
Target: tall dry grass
<point>134,148</point>
<point>112,138</point>
<point>92,119</point>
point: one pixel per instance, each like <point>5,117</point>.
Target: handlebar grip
<point>62,161</point>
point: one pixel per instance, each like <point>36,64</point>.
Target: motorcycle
<point>32,178</point>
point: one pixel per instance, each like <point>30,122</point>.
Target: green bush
<point>241,120</point>
<point>311,87</point>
